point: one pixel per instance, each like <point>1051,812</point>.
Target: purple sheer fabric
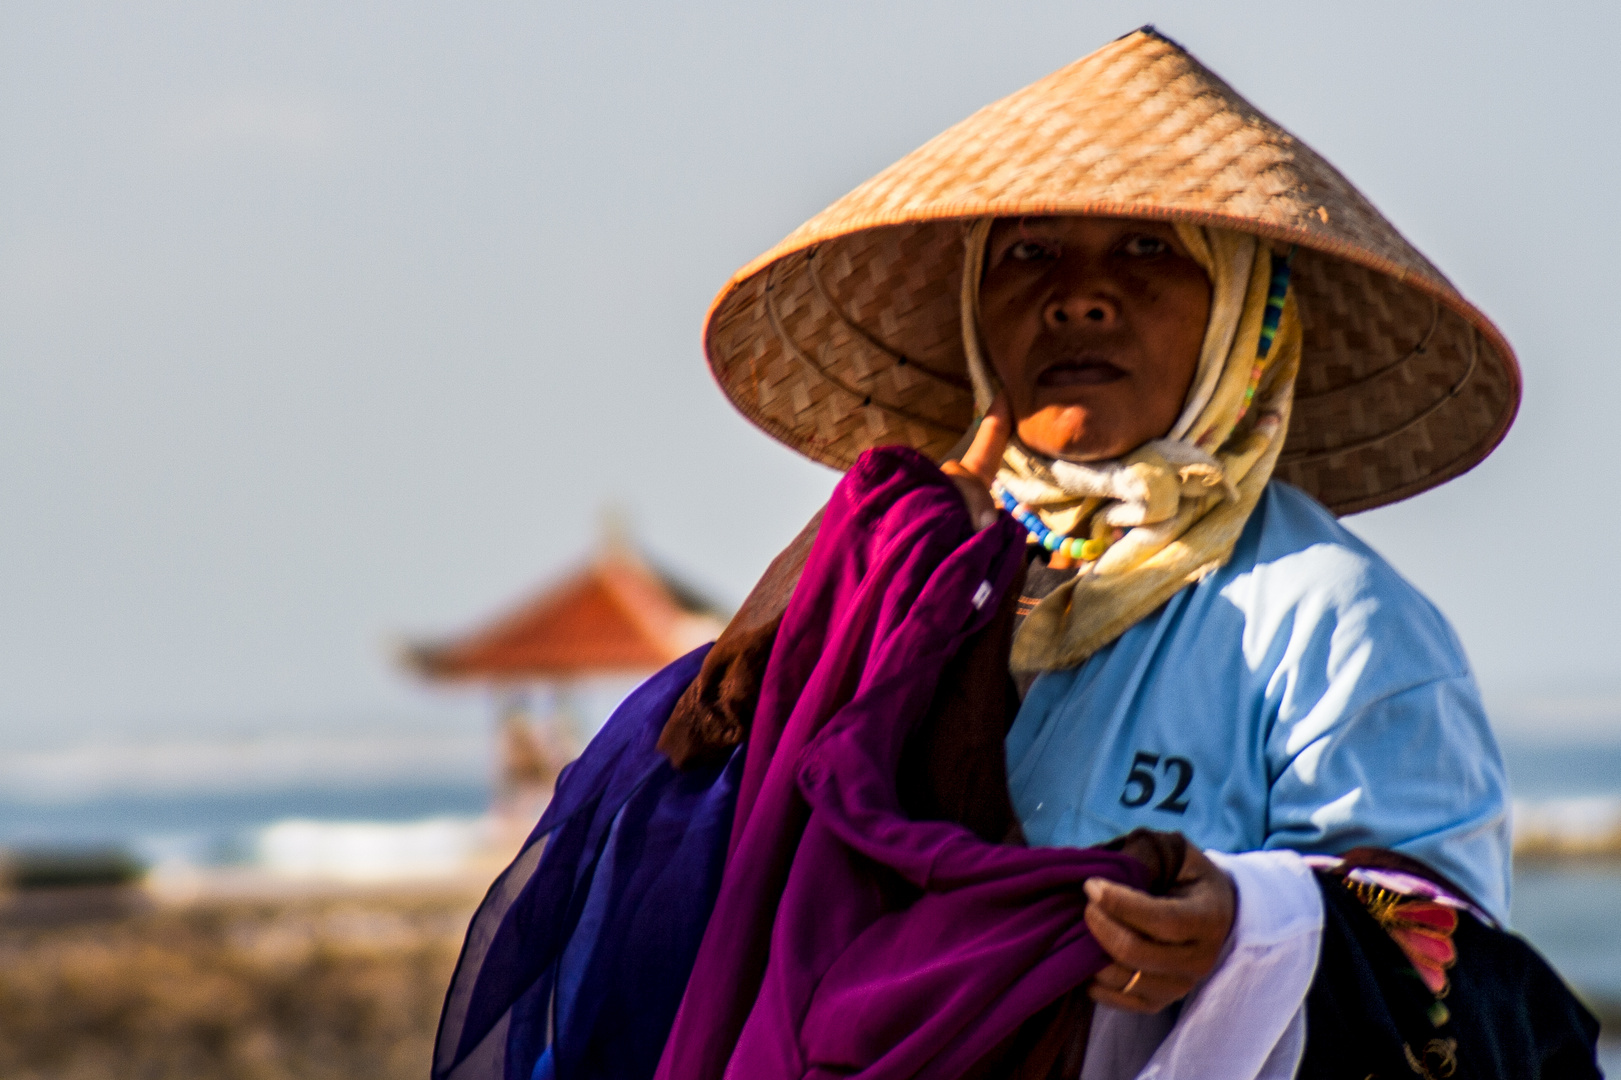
<point>848,940</point>
<point>575,962</point>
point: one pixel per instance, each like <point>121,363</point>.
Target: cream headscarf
<point>1182,499</point>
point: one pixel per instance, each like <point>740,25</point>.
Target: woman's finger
<point>976,470</point>
<point>975,495</point>
<point>1134,991</point>
<point>1199,910</point>
<point>1166,919</point>
<point>1136,952</point>
<point>984,455</point>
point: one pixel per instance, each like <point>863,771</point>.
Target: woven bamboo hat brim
<point>847,336</point>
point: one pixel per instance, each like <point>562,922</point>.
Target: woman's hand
<point>1173,941</point>
<point>974,473</point>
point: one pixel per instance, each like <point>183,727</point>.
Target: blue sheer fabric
<point>575,962</point>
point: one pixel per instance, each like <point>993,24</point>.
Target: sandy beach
<point>313,985</point>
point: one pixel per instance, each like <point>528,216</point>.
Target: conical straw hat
<point>846,335</point>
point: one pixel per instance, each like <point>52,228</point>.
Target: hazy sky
<point>326,322</point>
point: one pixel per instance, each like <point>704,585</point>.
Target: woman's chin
<point>1080,434</point>
<point>1064,433</point>
<point>1079,448</point>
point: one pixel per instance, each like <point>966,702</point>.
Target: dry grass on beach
<point>310,988</point>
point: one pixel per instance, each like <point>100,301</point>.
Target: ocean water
<point>218,828</point>
<point>1562,770</point>
<point>1572,912</point>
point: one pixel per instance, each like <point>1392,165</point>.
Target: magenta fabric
<point>848,940</point>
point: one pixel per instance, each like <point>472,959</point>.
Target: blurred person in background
<point>1102,749</point>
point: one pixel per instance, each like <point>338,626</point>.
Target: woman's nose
<point>1086,304</point>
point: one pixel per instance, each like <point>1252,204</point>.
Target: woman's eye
<point>1032,251</point>
<point>1146,245</point>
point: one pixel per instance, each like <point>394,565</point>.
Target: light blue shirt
<point>1304,696</point>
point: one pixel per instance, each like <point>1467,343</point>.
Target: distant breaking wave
<point>71,774</point>
<point>1585,827</point>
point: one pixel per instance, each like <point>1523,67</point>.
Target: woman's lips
<point>1079,373</point>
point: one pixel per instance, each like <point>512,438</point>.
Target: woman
<point>1189,342</point>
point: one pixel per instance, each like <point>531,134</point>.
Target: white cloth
<point>1144,488</point>
<point>1247,1021</point>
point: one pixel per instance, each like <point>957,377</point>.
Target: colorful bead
<point>1276,294</point>
<point>1073,546</point>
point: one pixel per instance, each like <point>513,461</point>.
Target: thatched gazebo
<point>618,617</point>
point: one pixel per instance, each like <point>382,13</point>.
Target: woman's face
<point>1095,326</point>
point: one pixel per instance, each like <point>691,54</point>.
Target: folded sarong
<point>849,939</point>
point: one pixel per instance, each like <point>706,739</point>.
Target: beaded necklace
<point>1277,292</point>
<point>1073,546</point>
<point>1091,550</point>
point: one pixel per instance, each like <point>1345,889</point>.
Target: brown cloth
<point>715,713</point>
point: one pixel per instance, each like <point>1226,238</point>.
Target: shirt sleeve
<point>1416,770</point>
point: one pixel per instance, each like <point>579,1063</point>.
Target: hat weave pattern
<point>846,335</point>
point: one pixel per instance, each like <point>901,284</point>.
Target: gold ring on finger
<point>1131,983</point>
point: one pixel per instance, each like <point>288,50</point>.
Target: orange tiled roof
<point>617,615</point>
